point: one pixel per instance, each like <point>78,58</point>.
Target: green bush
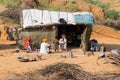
<point>88,1</point>
<point>96,17</point>
<point>104,6</point>
<point>10,3</point>
<point>108,13</point>
<point>11,13</point>
<point>97,2</point>
<point>71,7</point>
<point>53,8</point>
<point>112,14</point>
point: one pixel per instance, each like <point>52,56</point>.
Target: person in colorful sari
<point>27,44</point>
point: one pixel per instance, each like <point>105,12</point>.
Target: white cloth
<point>101,54</point>
<point>44,48</point>
<point>63,43</point>
<point>115,51</point>
<point>35,17</point>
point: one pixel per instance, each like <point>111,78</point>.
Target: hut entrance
<point>73,33</point>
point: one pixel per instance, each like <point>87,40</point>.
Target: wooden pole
<point>86,37</point>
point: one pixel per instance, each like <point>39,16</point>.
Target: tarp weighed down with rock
<point>37,18</point>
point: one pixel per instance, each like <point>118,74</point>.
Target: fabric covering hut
<point>50,24</point>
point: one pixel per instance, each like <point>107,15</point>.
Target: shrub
<point>10,3</point>
<point>71,7</point>
<point>104,6</point>
<point>96,17</point>
<point>54,8</point>
<point>112,14</point>
<point>11,13</point>
<point>97,2</point>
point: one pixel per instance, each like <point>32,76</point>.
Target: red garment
<point>28,39</point>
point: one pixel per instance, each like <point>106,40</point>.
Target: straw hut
<point>50,24</point>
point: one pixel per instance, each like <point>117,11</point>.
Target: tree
<point>85,37</point>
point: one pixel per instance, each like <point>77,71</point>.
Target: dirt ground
<point>9,64</point>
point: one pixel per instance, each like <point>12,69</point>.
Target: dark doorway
<point>73,33</point>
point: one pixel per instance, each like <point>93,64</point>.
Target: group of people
<point>45,47</point>
<point>58,44</point>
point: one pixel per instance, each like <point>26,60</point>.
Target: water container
<point>70,54</point>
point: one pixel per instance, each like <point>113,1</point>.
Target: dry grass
<point>113,4</point>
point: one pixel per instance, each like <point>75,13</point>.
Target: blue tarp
<point>84,19</point>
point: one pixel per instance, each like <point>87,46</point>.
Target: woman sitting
<point>27,44</point>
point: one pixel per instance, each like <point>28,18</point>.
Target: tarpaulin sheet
<point>35,17</point>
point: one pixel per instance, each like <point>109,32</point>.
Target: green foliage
<point>46,5</point>
<point>43,4</point>
<point>53,8</point>
<point>7,19</point>
<point>10,3</point>
<point>11,13</point>
<point>95,2</point>
<point>104,6</point>
<point>96,17</point>
<point>88,1</point>
<point>98,3</point>
<point>112,14</point>
<point>108,13</point>
<point>71,7</point>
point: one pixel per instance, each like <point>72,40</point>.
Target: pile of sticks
<point>65,71</point>
<point>113,58</point>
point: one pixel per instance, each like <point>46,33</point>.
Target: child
<point>56,43</point>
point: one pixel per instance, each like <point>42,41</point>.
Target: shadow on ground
<point>7,46</point>
<point>109,47</point>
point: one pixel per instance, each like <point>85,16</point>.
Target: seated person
<point>56,43</point>
<point>93,45</point>
<point>63,42</point>
<point>27,44</point>
<point>45,47</point>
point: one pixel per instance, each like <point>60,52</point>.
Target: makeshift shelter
<point>50,24</point>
